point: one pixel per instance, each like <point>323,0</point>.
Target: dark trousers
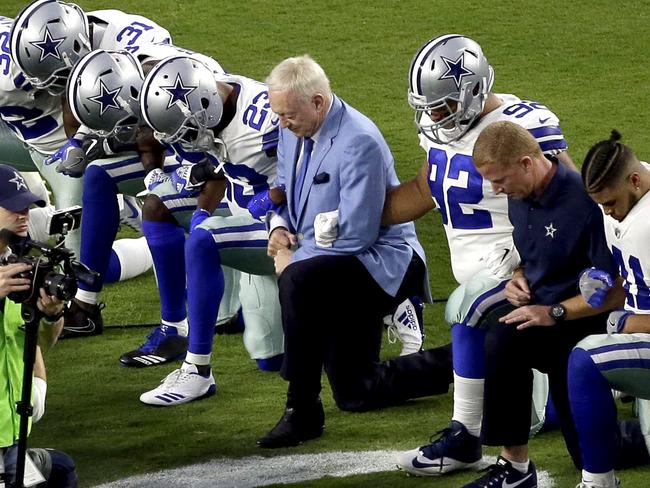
<point>510,355</point>
<point>332,312</point>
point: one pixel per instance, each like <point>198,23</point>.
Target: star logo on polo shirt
<point>106,98</point>
<point>48,46</point>
<point>19,181</point>
<point>178,92</point>
<point>550,230</point>
<point>455,70</point>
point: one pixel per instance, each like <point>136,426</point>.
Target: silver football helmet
<point>180,101</point>
<point>104,93</point>
<point>450,75</point>
<point>47,39</point>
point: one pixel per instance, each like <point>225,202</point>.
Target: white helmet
<point>104,93</point>
<point>180,101</point>
<point>452,74</point>
<point>47,39</point>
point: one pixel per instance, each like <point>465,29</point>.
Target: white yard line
<point>255,471</point>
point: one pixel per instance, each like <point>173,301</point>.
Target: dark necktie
<point>308,144</point>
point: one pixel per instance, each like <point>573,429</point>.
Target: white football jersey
<point>36,117</point>
<point>115,30</point>
<point>475,218</point>
<point>248,144</point>
<point>628,242</point>
<point>159,51</point>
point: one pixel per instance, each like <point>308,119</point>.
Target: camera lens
<point>61,286</point>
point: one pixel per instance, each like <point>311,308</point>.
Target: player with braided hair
<point>619,182</point>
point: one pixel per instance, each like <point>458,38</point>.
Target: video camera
<point>54,268</point>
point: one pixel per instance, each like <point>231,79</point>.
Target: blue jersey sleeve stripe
<point>550,130</point>
<point>553,145</point>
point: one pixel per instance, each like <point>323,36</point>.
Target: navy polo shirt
<point>558,235</point>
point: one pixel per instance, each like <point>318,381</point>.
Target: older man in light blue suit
<point>340,270</point>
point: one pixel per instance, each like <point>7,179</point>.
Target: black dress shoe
<point>298,424</point>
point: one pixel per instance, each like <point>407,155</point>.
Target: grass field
<point>586,60</point>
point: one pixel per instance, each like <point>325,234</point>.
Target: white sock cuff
<point>91,297</point>
<point>180,326</point>
<point>198,359</point>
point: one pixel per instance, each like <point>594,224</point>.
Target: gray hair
<point>301,75</point>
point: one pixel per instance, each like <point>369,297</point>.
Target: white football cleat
<point>405,325</point>
<point>130,212</point>
<point>181,386</point>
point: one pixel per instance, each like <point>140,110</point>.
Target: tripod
<point>32,316</point>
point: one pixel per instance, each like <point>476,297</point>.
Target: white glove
<point>326,228</point>
<point>154,178</point>
<point>616,321</point>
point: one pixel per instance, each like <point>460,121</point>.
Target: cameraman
<point>57,468</point>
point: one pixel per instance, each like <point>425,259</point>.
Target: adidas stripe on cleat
<point>182,385</point>
<point>162,346</point>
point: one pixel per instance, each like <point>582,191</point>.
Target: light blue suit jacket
<point>350,170</point>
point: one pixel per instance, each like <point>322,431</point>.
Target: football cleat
<point>79,322</point>
<point>182,385</point>
<point>406,325</point>
<point>504,475</point>
<point>592,484</point>
<point>131,213</point>
<point>163,345</point>
<point>455,449</point>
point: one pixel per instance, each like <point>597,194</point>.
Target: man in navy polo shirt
<point>558,232</point>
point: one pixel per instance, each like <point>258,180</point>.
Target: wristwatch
<point>557,312</point>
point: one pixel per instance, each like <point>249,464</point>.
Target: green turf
<point>586,60</point>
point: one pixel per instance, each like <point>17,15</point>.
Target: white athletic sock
<point>181,326</point>
<point>468,403</point>
<point>521,467</point>
<point>198,359</point>
<point>599,479</point>
<point>134,255</point>
<point>90,297</point>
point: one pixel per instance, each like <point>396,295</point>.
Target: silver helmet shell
<point>47,39</point>
<point>180,101</point>
<point>451,75</point>
<point>104,93</point>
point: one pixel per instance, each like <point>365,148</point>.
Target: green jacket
<point>12,341</point>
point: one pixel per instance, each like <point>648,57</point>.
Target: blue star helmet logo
<point>455,70</point>
<point>178,92</point>
<point>106,98</point>
<point>49,46</point>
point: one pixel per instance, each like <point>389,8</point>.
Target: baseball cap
<point>14,194</point>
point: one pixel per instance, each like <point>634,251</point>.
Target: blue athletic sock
<point>114,270</point>
<point>468,351</point>
<point>167,244</point>
<point>204,289</point>
<point>594,413</point>
<point>99,222</point>
<point>270,364</point>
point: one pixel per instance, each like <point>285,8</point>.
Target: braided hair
<point>606,163</point>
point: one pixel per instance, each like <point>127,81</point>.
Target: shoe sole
<point>134,363</point>
<point>211,392</point>
<point>419,472</point>
<point>313,435</point>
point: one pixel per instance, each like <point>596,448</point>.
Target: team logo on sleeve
<point>178,92</point>
<point>106,98</point>
<point>455,70</point>
<point>48,46</point>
